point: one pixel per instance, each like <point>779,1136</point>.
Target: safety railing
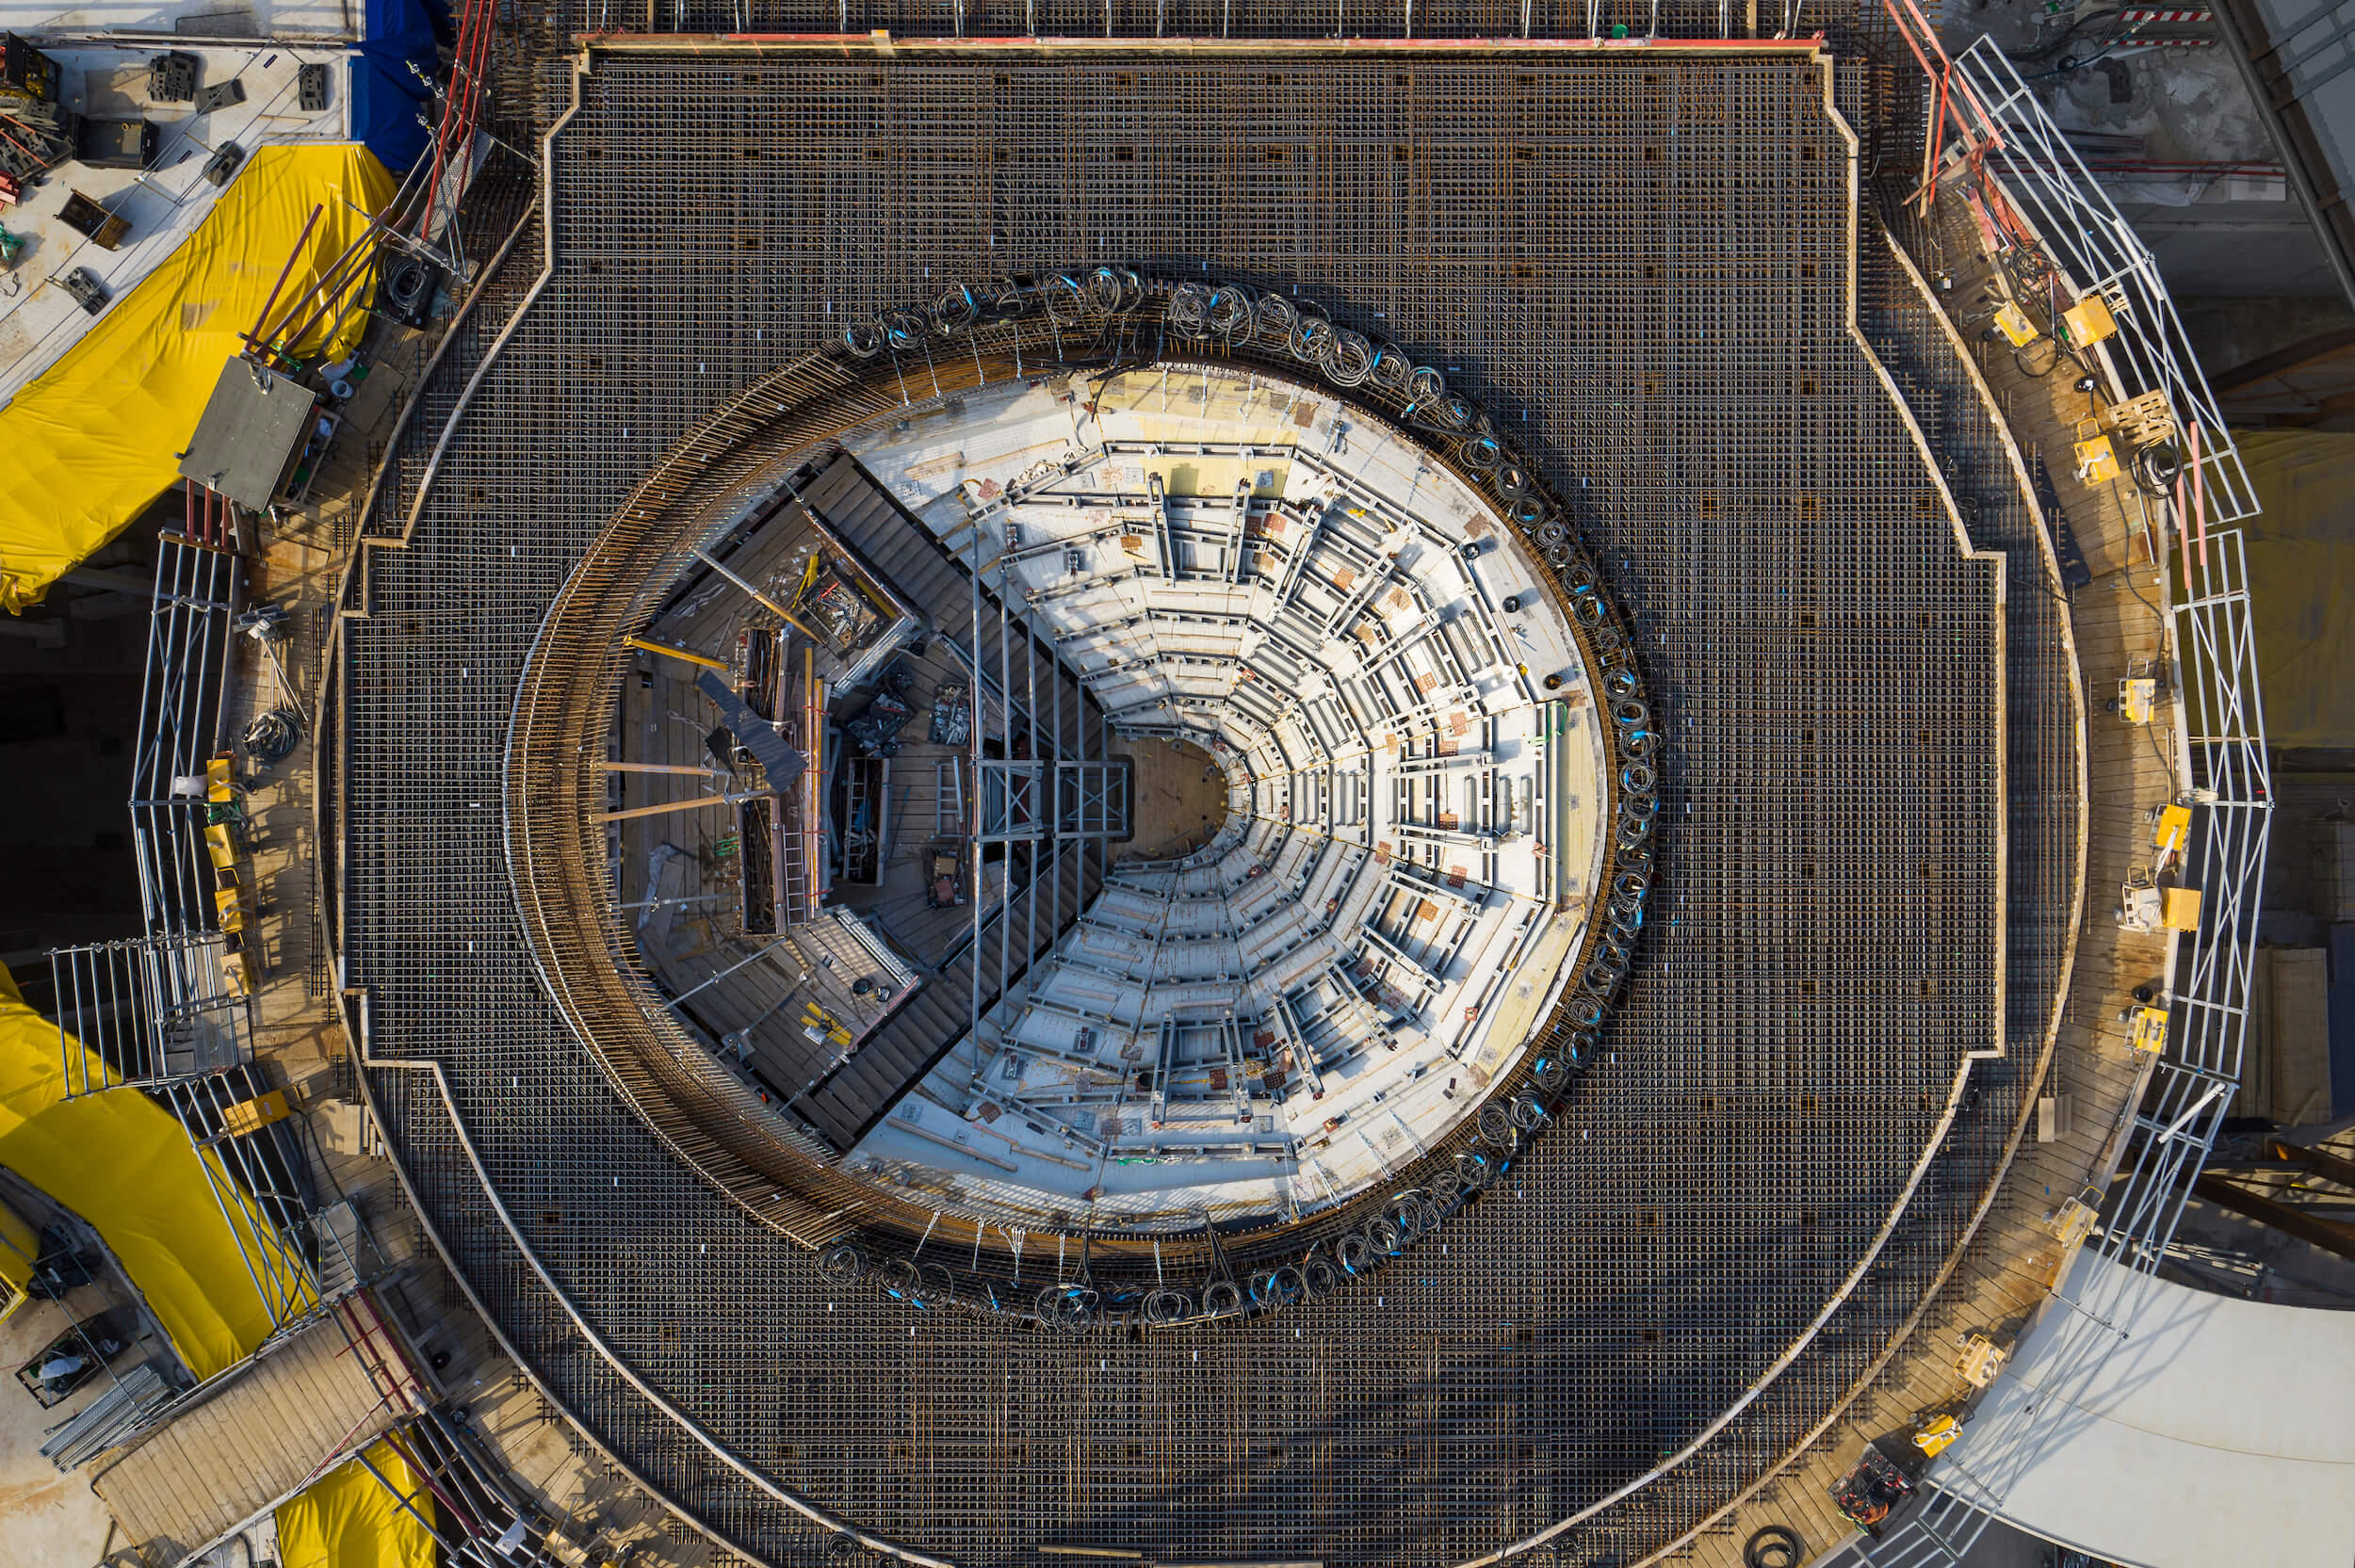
<point>2222,765</point>
<point>180,706</point>
<point>140,1013</point>
<point>2061,238</point>
<point>2028,187</point>
<point>302,1245</point>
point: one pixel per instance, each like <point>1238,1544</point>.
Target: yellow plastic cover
<point>20,1249</point>
<point>123,1162</point>
<point>97,436</point>
<point>2301,578</point>
<point>346,1519</point>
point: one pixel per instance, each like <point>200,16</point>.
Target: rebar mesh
<point>1640,262</point>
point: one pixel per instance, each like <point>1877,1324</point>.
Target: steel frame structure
<point>182,701</point>
<point>146,1011</point>
<point>260,1179</point>
<point>2224,775</point>
<point>2034,195</point>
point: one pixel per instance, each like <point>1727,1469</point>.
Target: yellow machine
<point>2172,833</point>
<point>237,968</point>
<point>2141,423</point>
<point>2089,321</point>
<point>1981,1361</point>
<point>2073,1221</point>
<point>1937,1434</point>
<point>2137,699</point>
<point>2017,329</point>
<point>2150,1031</point>
<point>2097,459</point>
<point>822,1028</point>
<point>251,1116</point>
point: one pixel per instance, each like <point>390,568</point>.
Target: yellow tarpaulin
<point>123,1162</point>
<point>20,1249</point>
<point>97,436</point>
<point>346,1519</point>
<point>2301,583</point>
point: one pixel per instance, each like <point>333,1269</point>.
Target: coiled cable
<point>1311,335</point>
<point>1277,317</point>
<point>1227,315</point>
<point>1348,359</point>
<point>1189,309</point>
<point>954,310</point>
<point>273,735</point>
<point>1064,299</point>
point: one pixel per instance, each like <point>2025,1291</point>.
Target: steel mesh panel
<point>1302,20</point>
<point>1642,262</point>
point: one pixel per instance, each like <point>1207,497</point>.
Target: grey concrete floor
<point>47,1520</point>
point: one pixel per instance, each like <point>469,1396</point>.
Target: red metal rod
<point>254,338</point>
<point>457,127</point>
<point>2198,497</point>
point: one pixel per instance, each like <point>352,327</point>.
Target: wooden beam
<point>2330,1167</point>
<point>669,652</point>
<point>667,805</point>
<point>2290,1219</point>
<point>2283,362</point>
<point>660,767</point>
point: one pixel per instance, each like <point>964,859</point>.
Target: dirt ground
<point>1180,798</point>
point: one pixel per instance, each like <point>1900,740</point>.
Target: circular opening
<point>1167,809</point>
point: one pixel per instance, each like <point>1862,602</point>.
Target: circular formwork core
<point>1282,1055</point>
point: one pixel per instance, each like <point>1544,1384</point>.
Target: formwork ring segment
<point>1111,327</point>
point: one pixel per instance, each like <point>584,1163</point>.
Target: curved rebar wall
<point>1099,320</point>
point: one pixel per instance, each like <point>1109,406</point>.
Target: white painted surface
<point>285,20</point>
<point>39,320</point>
<point>2217,1432</point>
<point>47,1519</point>
<point>1357,557</point>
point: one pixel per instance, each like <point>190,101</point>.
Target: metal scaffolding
<point>181,704</point>
<point>2220,769</point>
<point>148,1010</point>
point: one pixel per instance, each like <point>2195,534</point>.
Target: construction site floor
<point>1181,799</point>
<point>45,1516</point>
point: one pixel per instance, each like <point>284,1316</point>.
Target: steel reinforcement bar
<point>735,1383</point>
<point>1108,317</point>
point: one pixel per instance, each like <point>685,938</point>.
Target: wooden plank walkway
<point>2010,1263</point>
<point>264,1434</point>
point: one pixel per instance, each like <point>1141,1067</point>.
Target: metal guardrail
<point>118,1411</point>
<point>2038,189</point>
<point>180,706</point>
<point>2020,158</point>
<point>141,1012</point>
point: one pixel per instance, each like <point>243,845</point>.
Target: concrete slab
<point>39,321</point>
<point>1180,798</point>
<point>46,1518</point>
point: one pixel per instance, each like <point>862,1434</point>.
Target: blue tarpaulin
<point>387,97</point>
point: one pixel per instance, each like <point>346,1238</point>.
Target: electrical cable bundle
<point>273,735</point>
